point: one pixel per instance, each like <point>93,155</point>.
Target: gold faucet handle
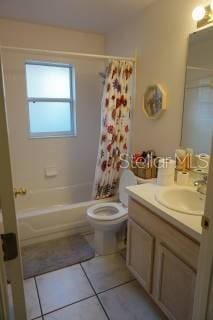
<point>19,192</point>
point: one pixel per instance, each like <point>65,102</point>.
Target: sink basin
<point>184,200</point>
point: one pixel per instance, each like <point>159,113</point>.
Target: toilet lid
<point>127,179</point>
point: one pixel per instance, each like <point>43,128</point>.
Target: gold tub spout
<point>19,192</point>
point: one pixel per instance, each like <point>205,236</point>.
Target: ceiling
<point>100,16</point>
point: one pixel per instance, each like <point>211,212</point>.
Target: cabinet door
<point>210,299</point>
<point>140,254</point>
<point>174,284</point>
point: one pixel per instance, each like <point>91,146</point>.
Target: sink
<point>184,200</point>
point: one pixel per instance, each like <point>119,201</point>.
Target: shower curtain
<point>113,144</point>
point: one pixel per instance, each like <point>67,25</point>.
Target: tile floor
<point>101,289</point>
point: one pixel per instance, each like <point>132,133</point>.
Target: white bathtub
<point>53,222</point>
<point>42,224</point>
<point>48,197</point>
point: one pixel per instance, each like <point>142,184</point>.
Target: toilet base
<point>105,242</point>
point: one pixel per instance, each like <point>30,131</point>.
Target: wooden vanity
<point>163,259</point>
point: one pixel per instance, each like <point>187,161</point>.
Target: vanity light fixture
<point>198,13</point>
<point>203,15</point>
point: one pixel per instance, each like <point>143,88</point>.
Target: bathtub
<point>56,221</point>
<point>43,224</point>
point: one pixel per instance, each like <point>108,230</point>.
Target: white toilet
<point>108,217</point>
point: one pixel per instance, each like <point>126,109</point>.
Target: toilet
<point>107,218</point>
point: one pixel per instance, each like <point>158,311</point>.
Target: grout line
<point>39,300</point>
<point>88,279</point>
<point>67,305</point>
<point>103,307</point>
<point>66,267</point>
<point>39,317</point>
<point>117,286</point>
<point>75,264</point>
<point>95,295</point>
<point>95,292</point>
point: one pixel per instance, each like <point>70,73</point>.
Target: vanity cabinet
<point>164,260</point>
<point>140,260</point>
<point>174,284</point>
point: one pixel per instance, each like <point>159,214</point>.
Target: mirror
<point>154,101</point>
<point>197,125</point>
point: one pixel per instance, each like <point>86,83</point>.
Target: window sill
<point>71,135</point>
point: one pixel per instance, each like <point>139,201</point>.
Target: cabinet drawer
<point>178,242</point>
<point>140,254</point>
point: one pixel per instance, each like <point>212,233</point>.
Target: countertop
<point>145,194</point>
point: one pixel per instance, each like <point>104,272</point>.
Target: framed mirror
<point>154,101</point>
<point>197,123</point>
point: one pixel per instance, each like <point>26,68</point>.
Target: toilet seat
<point>107,211</point>
<point>107,218</point>
<point>114,211</point>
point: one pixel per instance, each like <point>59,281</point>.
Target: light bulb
<point>198,13</point>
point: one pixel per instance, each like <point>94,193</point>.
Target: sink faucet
<point>202,185</point>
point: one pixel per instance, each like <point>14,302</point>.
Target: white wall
<point>160,37</point>
<point>74,157</point>
<point>21,34</point>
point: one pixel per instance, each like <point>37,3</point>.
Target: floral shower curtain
<point>116,104</point>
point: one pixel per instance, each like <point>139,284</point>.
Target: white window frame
<point>71,101</point>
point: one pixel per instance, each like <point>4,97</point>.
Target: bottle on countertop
<point>180,155</point>
<point>189,158</point>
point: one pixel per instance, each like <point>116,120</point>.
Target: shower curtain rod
<point>67,53</point>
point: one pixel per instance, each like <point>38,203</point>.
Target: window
<point>50,94</point>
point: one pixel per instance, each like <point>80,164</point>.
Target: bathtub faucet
<point>19,192</point>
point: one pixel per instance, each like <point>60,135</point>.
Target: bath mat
<point>55,254</point>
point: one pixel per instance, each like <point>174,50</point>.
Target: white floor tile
<point>129,302</point>
<point>63,287</point>
<point>31,298</point>
<point>106,272</point>
<point>89,309</point>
